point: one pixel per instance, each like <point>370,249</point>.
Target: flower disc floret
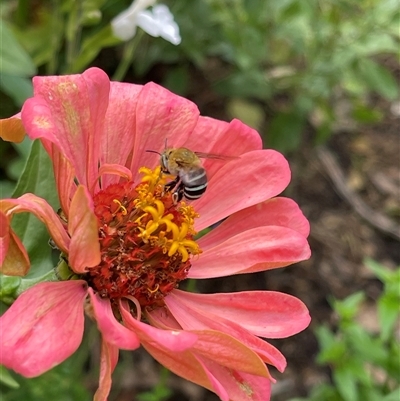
<point>146,240</point>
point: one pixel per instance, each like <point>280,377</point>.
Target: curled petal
<point>171,340</point>
<point>120,118</point>
<point>186,365</point>
<point>114,170</point>
<point>267,314</point>
<point>108,361</point>
<point>282,212</point>
<point>69,112</point>
<point>251,251</point>
<point>43,211</point>
<point>14,260</point>
<point>37,332</point>
<point>198,319</point>
<point>114,333</point>
<point>64,175</point>
<point>254,178</point>
<point>229,352</point>
<point>240,386</point>
<point>12,129</point>
<point>82,225</point>
<point>163,318</point>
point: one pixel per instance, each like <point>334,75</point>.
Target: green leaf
<point>345,383</point>
<point>366,114</point>
<point>388,311</point>
<point>378,78</point>
<point>379,270</point>
<point>285,131</point>
<point>348,308</point>
<point>91,47</point>
<point>14,60</point>
<point>177,80</point>
<point>8,284</point>
<point>393,396</point>
<point>7,379</point>
<point>36,178</point>
<point>245,84</point>
<point>332,350</point>
<point>250,113</point>
<point>18,88</point>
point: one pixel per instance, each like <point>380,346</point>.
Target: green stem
<point>21,14</point>
<point>59,273</point>
<point>30,282</point>
<point>127,56</point>
<point>56,37</point>
<point>73,34</point>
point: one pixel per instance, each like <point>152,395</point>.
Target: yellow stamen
<point>180,244</point>
<point>174,238</point>
<point>120,207</point>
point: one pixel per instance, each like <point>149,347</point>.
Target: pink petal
<point>44,212</point>
<point>64,175</point>
<point>170,340</point>
<point>112,173</point>
<point>267,314</point>
<point>251,251</point>
<point>4,236</point>
<point>108,361</point>
<point>255,177</point>
<point>98,89</point>
<point>84,250</point>
<point>240,386</point>
<point>14,260</point>
<point>191,366</point>
<point>43,327</point>
<point>160,115</point>
<point>162,318</point>
<point>193,319</point>
<point>282,212</point>
<point>217,387</point>
<point>69,111</point>
<point>11,129</point>
<point>120,126</point>
<point>220,137</point>
<point>114,333</point>
<point>186,365</point>
<point>229,352</point>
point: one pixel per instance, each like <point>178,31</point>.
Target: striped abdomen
<point>194,183</point>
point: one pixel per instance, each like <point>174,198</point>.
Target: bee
<point>190,176</point>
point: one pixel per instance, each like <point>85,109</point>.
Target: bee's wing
<point>215,156</point>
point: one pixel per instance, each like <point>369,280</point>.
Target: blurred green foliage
<point>283,61</point>
<point>305,53</point>
<point>365,365</point>
<point>63,383</point>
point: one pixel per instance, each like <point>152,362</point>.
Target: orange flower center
<point>146,241</point>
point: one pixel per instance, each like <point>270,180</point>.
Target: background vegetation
<point>314,77</point>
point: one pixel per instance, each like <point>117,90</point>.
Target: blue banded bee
<point>191,178</point>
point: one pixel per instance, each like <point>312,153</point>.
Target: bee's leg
<point>171,185</point>
<point>177,196</point>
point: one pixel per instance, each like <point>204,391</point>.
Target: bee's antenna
<point>152,151</point>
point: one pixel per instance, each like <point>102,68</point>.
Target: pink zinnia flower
<point>129,245</point>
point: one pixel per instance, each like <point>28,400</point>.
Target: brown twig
<point>377,219</point>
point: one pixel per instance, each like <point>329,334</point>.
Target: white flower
<point>157,22</point>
